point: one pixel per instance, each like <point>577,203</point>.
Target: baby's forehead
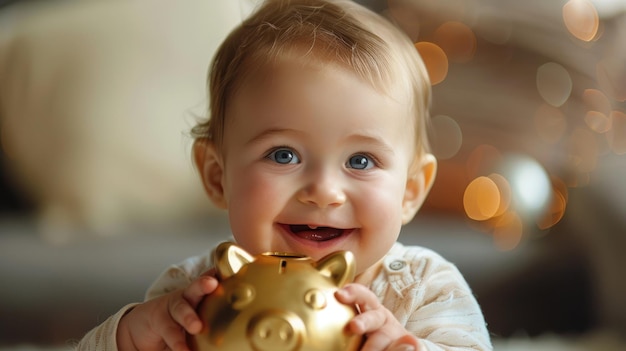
<point>261,72</point>
<point>385,80</point>
<point>280,85</point>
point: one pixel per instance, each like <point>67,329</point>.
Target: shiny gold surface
<point>277,302</point>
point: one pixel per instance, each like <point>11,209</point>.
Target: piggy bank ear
<point>228,259</point>
<point>339,266</point>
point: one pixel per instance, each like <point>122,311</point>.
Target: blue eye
<point>360,162</point>
<point>283,156</point>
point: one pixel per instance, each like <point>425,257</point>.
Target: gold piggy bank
<point>276,302</point>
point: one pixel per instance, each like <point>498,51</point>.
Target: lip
<point>302,243</point>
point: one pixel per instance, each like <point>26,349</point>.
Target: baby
<point>316,142</point>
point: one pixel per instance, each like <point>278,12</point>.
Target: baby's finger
<point>184,314</point>
<point>199,288</point>
<point>368,322</point>
<point>360,295</point>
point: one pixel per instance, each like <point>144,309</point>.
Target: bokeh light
<point>599,107</point>
<point>505,194</point>
<point>556,208</point>
<point>503,204</point>
<point>481,199</point>
<point>554,83</point>
<point>435,60</point>
<point>504,190</point>
<point>595,100</point>
<point>550,123</point>
<point>530,185</point>
<point>598,121</point>
<point>581,19</point>
<point>457,40</point>
<point>559,187</point>
<point>447,137</point>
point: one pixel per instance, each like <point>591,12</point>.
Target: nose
<point>323,191</point>
<point>276,330</point>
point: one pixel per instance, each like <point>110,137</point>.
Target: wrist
<point>123,336</point>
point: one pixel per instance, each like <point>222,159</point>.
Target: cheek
<point>251,198</point>
<point>245,191</point>
<point>381,204</point>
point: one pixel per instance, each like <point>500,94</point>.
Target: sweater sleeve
<point>448,316</point>
<point>430,297</point>
<point>179,276</point>
<point>103,337</point>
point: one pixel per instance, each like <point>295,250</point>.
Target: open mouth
<point>315,233</point>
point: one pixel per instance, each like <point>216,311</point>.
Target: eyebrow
<point>268,133</point>
<point>376,141</point>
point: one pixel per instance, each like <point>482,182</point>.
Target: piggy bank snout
<point>276,330</point>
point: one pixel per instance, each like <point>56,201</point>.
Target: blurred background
<point>98,194</point>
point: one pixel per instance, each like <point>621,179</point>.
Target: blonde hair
<point>340,32</point>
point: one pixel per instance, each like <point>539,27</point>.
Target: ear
<point>228,259</point>
<point>339,266</point>
<point>211,167</point>
<point>419,181</point>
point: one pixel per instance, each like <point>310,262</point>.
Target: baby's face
<point>315,161</point>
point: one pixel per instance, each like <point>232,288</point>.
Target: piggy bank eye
<point>240,296</point>
<point>315,299</point>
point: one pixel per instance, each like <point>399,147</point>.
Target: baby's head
<point>316,140</point>
<point>326,32</point>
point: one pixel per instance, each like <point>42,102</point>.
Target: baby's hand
<point>161,323</point>
<point>377,323</point>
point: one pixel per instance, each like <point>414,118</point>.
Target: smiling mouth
<point>315,233</point>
